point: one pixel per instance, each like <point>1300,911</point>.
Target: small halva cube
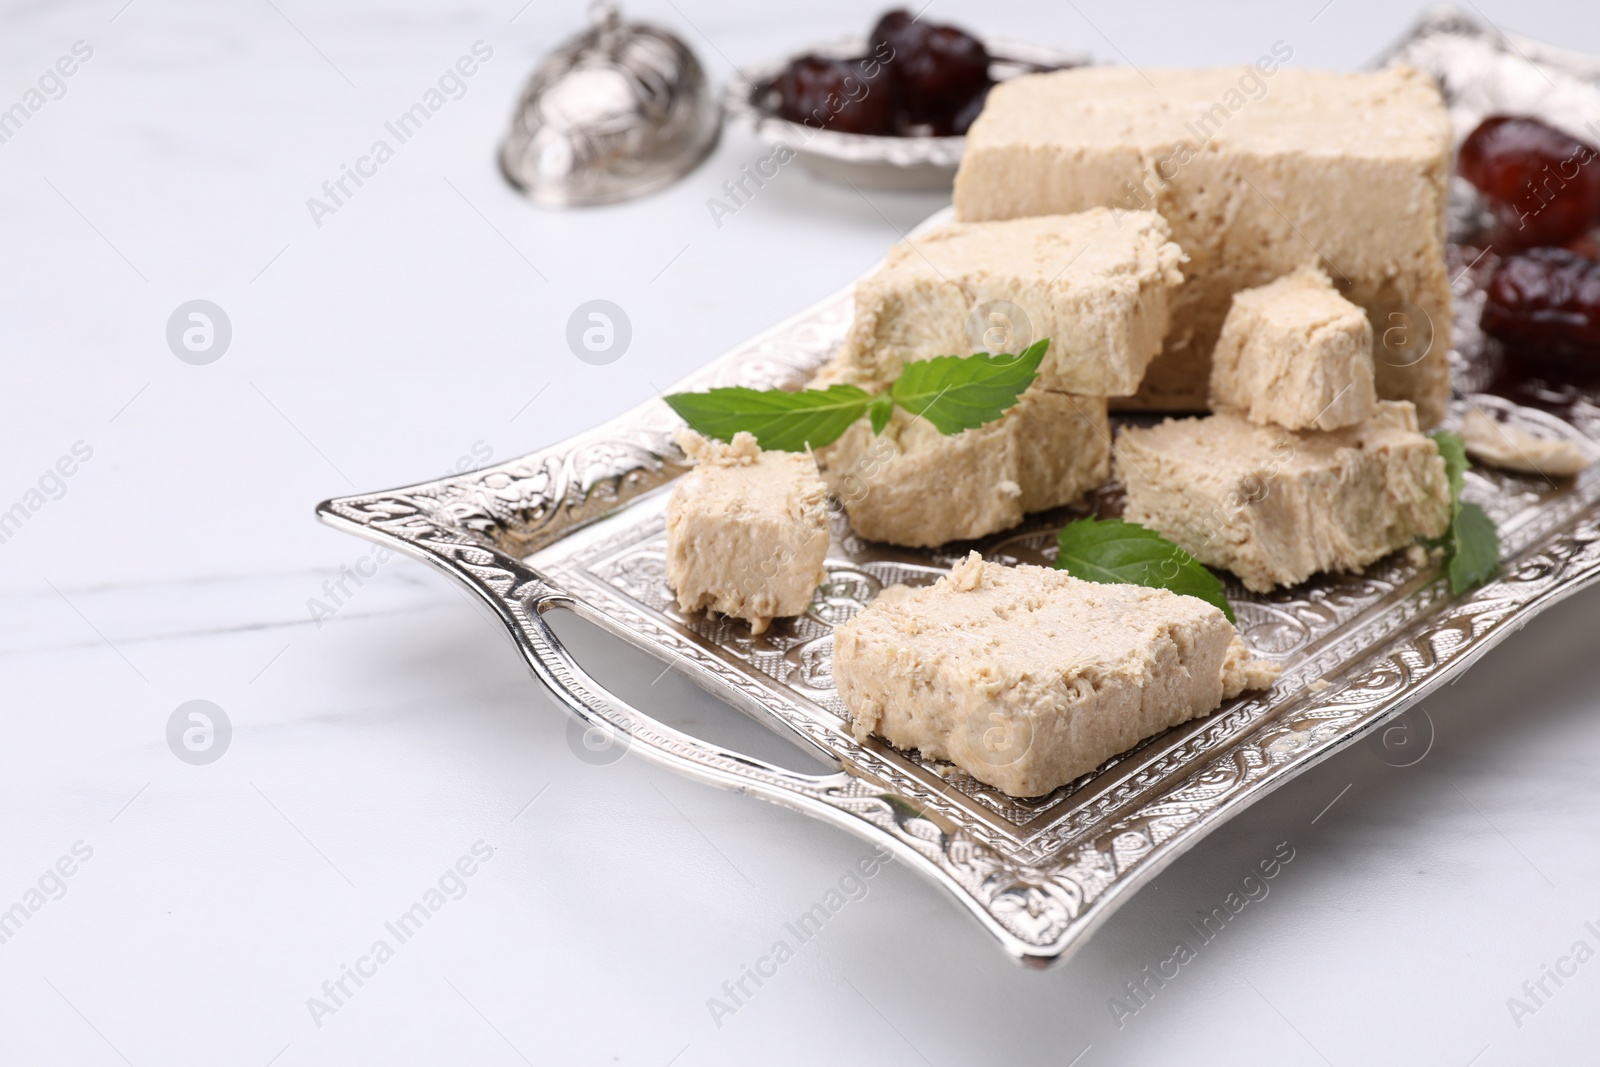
<point>912,485</point>
<point>747,530</point>
<point>1296,354</point>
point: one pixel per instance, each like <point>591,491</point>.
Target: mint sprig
<point>1125,553</point>
<point>1454,451</point>
<point>954,393</point>
<point>1471,544</point>
<point>880,411</point>
<point>781,421</point>
<point>1472,551</point>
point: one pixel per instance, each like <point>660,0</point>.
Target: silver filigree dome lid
<point>621,110</point>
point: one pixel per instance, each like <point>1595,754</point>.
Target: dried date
<point>1542,185</point>
<point>851,96</point>
<point>1545,304</point>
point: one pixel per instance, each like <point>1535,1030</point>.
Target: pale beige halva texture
<point>1257,176</point>
<point>747,530</point>
<point>1509,448</point>
<point>1276,506</point>
<point>1026,677</point>
<point>1094,283</point>
<point>912,485</point>
<point>1241,673</point>
<point>1296,354</point>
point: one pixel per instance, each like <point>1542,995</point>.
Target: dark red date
<point>1543,185</point>
<point>836,94</point>
<point>920,77</point>
<point>939,70</point>
<point>964,118</point>
<point>1544,304</point>
<point>897,36</point>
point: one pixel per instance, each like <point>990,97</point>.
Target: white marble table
<point>383,733</point>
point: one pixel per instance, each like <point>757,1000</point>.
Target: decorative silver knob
<point>621,110</point>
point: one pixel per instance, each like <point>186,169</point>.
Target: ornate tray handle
<point>1029,911</point>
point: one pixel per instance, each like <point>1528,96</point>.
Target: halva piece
<point>1026,677</point>
<point>1296,354</point>
<point>1095,283</point>
<point>747,530</point>
<point>1509,448</point>
<point>1276,506</point>
<point>1259,170</point>
<point>914,486</point>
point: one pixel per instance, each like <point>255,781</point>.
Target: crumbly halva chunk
<point>1509,448</point>
<point>1026,677</point>
<point>914,486</point>
<point>1296,354</point>
<point>1259,171</point>
<point>747,530</point>
<point>1242,673</point>
<point>1095,283</point>
<point>1276,506</point>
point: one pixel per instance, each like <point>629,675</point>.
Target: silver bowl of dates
<point>888,111</point>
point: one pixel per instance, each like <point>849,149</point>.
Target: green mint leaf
<point>1474,548</point>
<point>1113,551</point>
<point>781,421</point>
<point>879,411</point>
<point>1455,465</point>
<point>958,393</point>
<point>954,393</point>
<point>1472,545</point>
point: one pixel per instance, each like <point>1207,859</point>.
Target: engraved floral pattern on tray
<point>1313,629</point>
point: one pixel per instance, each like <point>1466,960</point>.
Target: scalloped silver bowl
<point>909,163</point>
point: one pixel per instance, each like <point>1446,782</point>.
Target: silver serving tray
<point>579,526</point>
